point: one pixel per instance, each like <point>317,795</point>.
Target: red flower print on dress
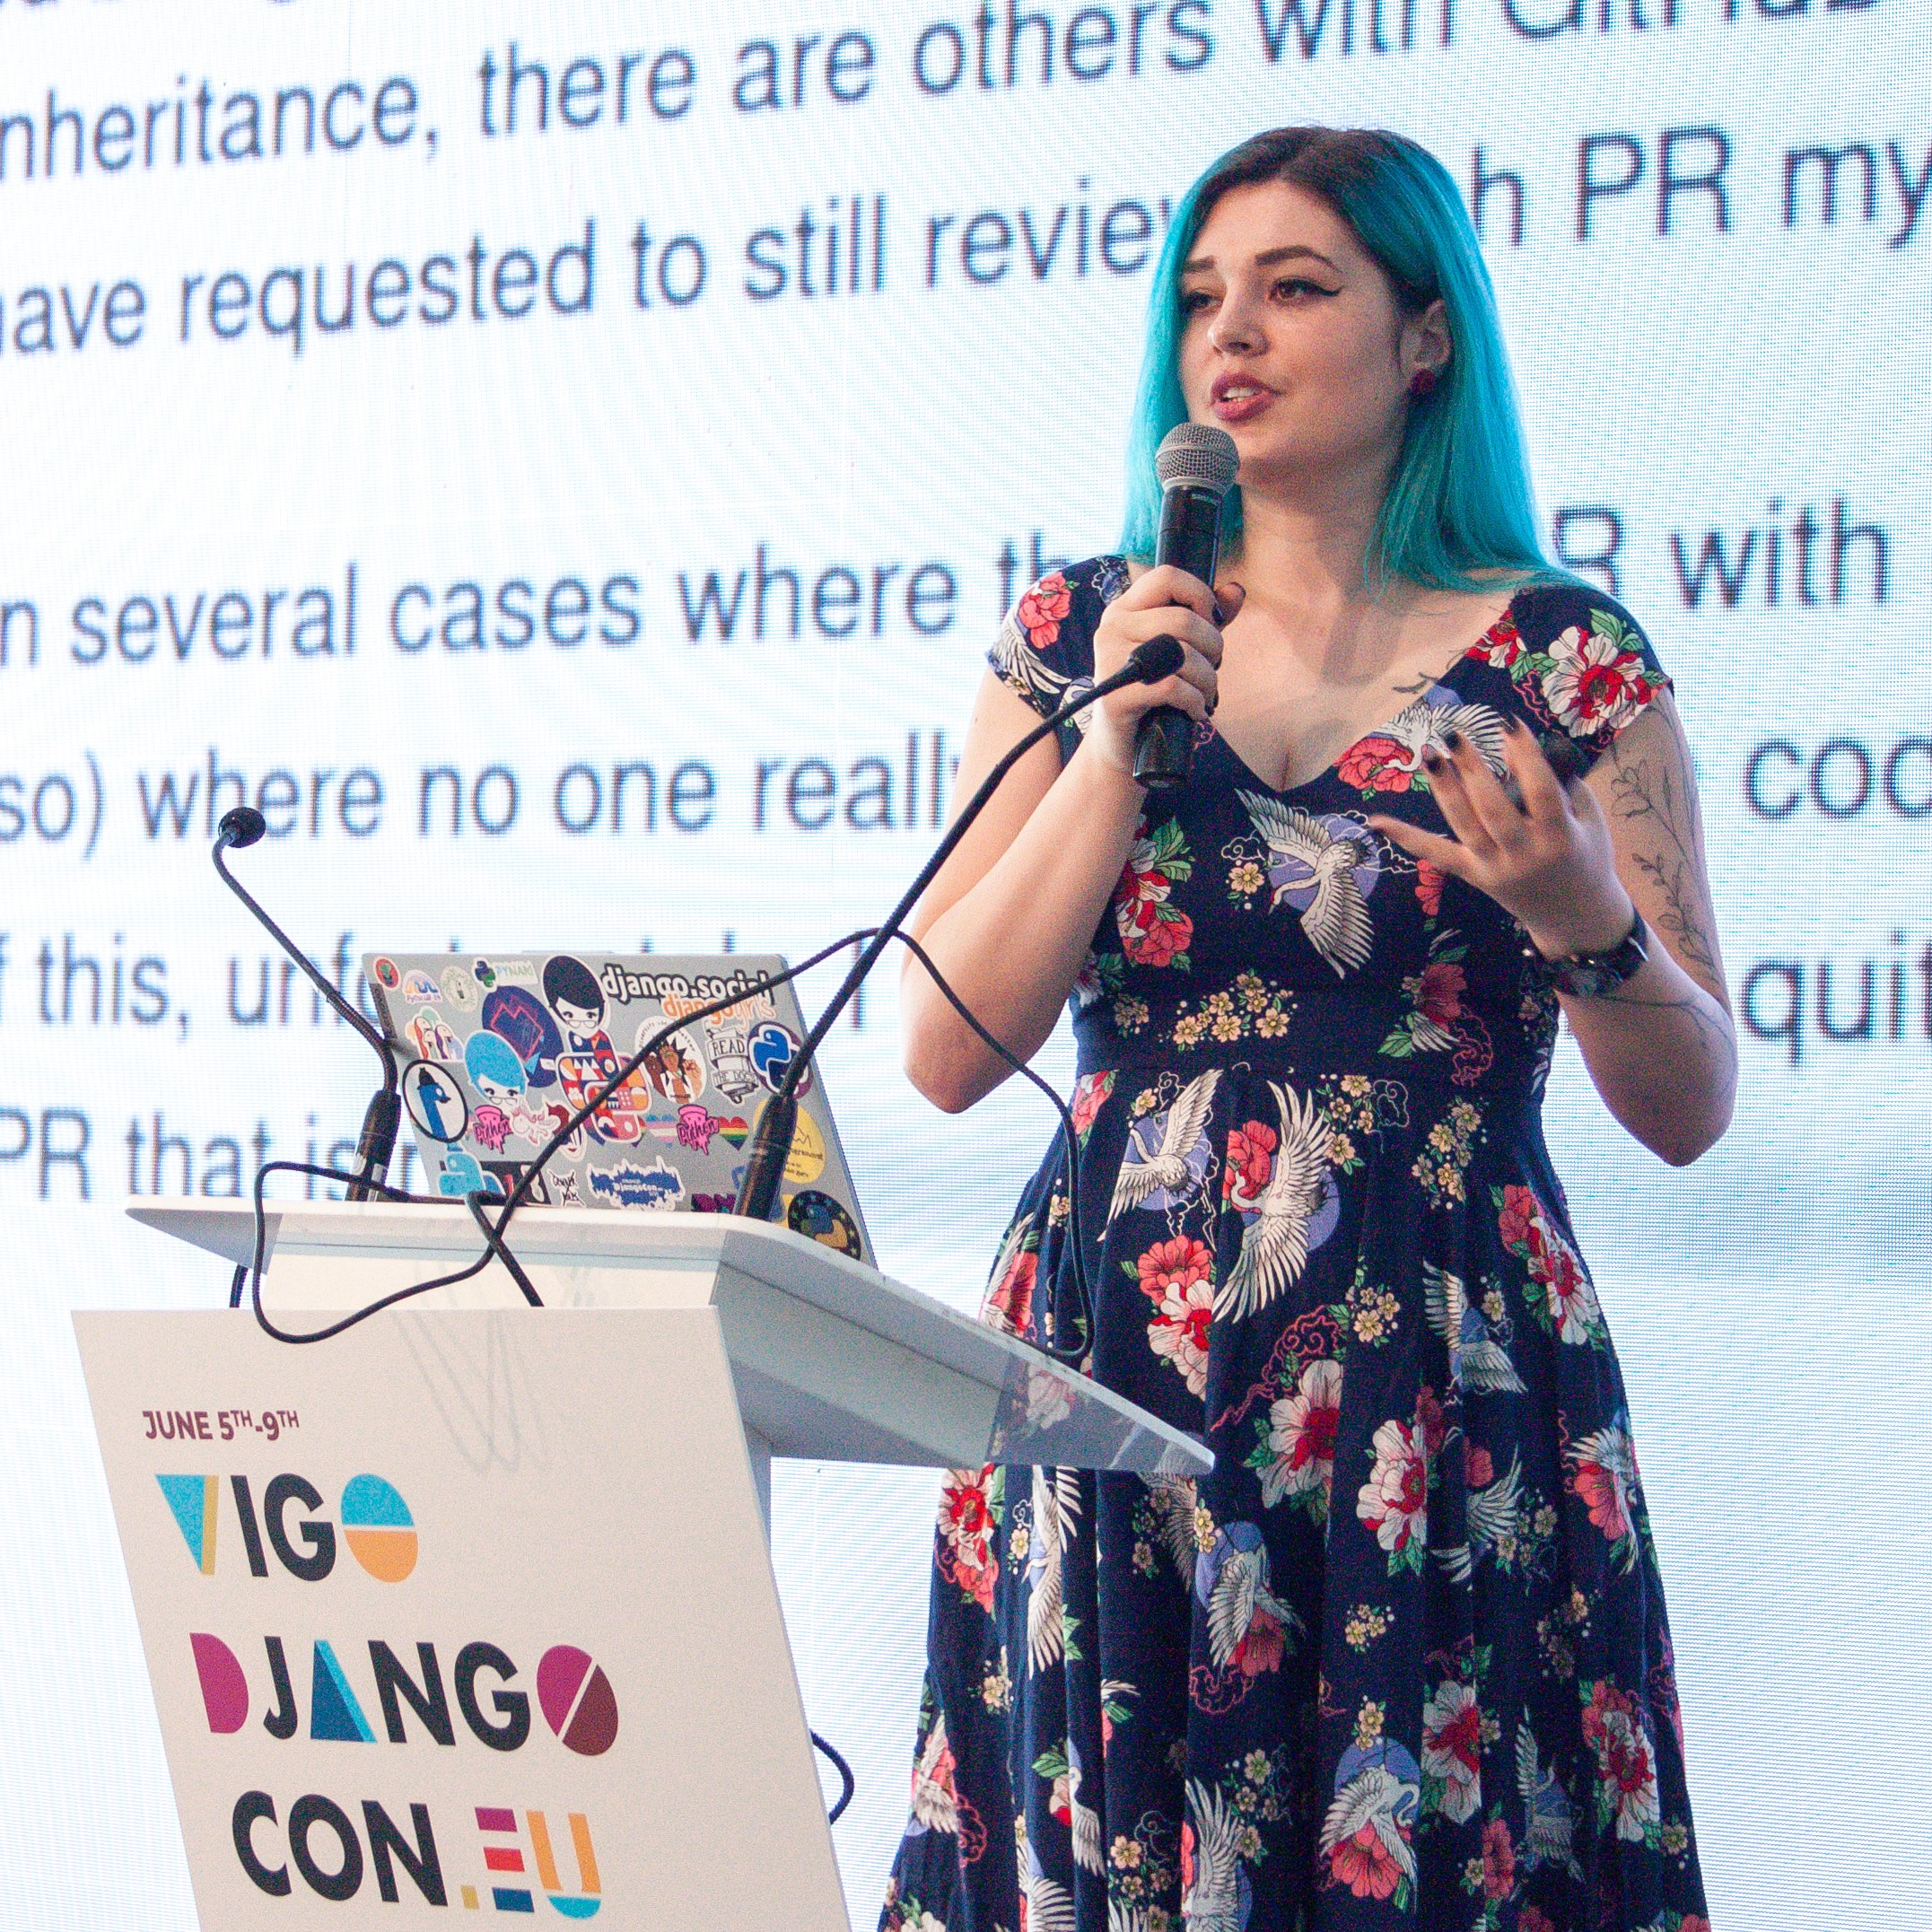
<point>1042,610</point>
<point>1264,1647</point>
<point>1430,1421</point>
<point>1010,1299</point>
<point>1365,1865</point>
<point>1377,763</point>
<point>1501,644</point>
<point>1164,939</point>
<point>1091,1092</point>
<point>1429,881</point>
<point>1520,1213</point>
<point>1626,1766</point>
<point>1394,1501</point>
<point>1498,1861</point>
<point>968,1513</point>
<point>1177,1277</point>
<point>1439,996</point>
<point>1532,1919</point>
<point>1570,1309</point>
<point>1250,1161</point>
<point>1173,1264</point>
<point>1603,1477</point>
<point>1597,680</point>
<point>1479,1466</point>
<point>1574,1310</point>
<point>1452,1752</point>
<point>1153,933</point>
<point>1301,1440</point>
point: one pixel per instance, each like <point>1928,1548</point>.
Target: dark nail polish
<point>1452,740</point>
<point>1431,759</point>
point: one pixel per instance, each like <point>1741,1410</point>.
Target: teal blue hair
<point>1459,501</point>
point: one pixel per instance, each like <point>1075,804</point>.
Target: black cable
<point>1083,1319</point>
<point>845,1778</point>
<point>1149,663</point>
<point>762,983</point>
<point>494,1245</point>
<point>377,1140</point>
<point>360,1314</point>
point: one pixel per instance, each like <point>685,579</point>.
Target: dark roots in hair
<point>1325,161</point>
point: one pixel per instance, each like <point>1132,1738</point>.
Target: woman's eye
<point>1301,285</point>
<point>1195,299</point>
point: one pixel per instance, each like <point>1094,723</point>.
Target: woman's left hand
<point>1549,861</point>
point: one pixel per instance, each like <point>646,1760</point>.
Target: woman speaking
<point>1402,1658</point>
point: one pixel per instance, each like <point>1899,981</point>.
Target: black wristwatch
<point>1593,976</point>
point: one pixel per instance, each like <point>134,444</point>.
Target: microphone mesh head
<point>1200,455</point>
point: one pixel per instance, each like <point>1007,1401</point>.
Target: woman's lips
<point>1239,407</point>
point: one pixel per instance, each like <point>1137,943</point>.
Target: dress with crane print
<point>1401,1659</point>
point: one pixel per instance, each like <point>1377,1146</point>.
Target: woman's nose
<point>1235,330</point>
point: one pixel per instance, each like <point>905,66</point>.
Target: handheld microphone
<point>771,1140</point>
<point>242,826</point>
<point>1196,464</point>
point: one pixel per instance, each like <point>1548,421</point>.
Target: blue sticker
<point>461,1176</point>
<point>632,1186</point>
<point>772,1049</point>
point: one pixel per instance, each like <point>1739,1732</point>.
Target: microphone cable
<point>1149,663</point>
<point>496,1248</point>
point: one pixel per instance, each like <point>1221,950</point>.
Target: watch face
<point>1595,975</point>
<point>1591,982</point>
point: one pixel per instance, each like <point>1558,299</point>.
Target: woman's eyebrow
<point>1267,258</point>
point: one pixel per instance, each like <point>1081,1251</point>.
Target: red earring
<point>1422,383</point>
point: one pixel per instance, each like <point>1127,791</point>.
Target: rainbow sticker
<point>378,1528</point>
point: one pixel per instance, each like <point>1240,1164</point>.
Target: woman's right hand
<point>1162,602</point>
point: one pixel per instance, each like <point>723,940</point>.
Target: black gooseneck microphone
<point>1196,464</point>
<point>241,826</point>
<point>771,1140</point>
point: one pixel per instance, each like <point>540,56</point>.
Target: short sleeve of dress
<point>1582,665</point>
<point>1044,652</point>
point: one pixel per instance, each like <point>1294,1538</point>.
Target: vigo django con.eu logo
<point>376,1524</point>
<point>405,1696</point>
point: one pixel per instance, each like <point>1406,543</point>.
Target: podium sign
<point>463,1611</point>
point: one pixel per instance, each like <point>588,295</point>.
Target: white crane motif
<point>1214,1901</point>
<point>1274,1247</point>
<point>1336,919</point>
<point>1375,1797</point>
<point>1549,1819</point>
<point>1477,1361</point>
<point>1492,1512</point>
<point>1056,1506</point>
<point>1169,1170</point>
<point>1421,726</point>
<point>1241,1587</point>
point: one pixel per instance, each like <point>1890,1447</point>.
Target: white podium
<point>471,1607</point>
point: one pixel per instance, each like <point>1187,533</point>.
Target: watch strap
<point>1591,975</point>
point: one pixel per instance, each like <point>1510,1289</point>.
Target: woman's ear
<point>1425,343</point>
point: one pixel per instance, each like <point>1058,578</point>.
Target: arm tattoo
<point>1713,1033</point>
<point>1675,866</point>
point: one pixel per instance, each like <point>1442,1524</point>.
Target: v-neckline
<point>1378,730</point>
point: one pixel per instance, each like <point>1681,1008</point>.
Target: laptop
<point>495,1051</point>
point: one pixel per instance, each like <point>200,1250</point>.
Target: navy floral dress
<point>1401,1660</point>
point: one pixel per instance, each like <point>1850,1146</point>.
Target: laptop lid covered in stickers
<point>495,1051</point>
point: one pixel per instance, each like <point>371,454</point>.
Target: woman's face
<point>1292,341</point>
